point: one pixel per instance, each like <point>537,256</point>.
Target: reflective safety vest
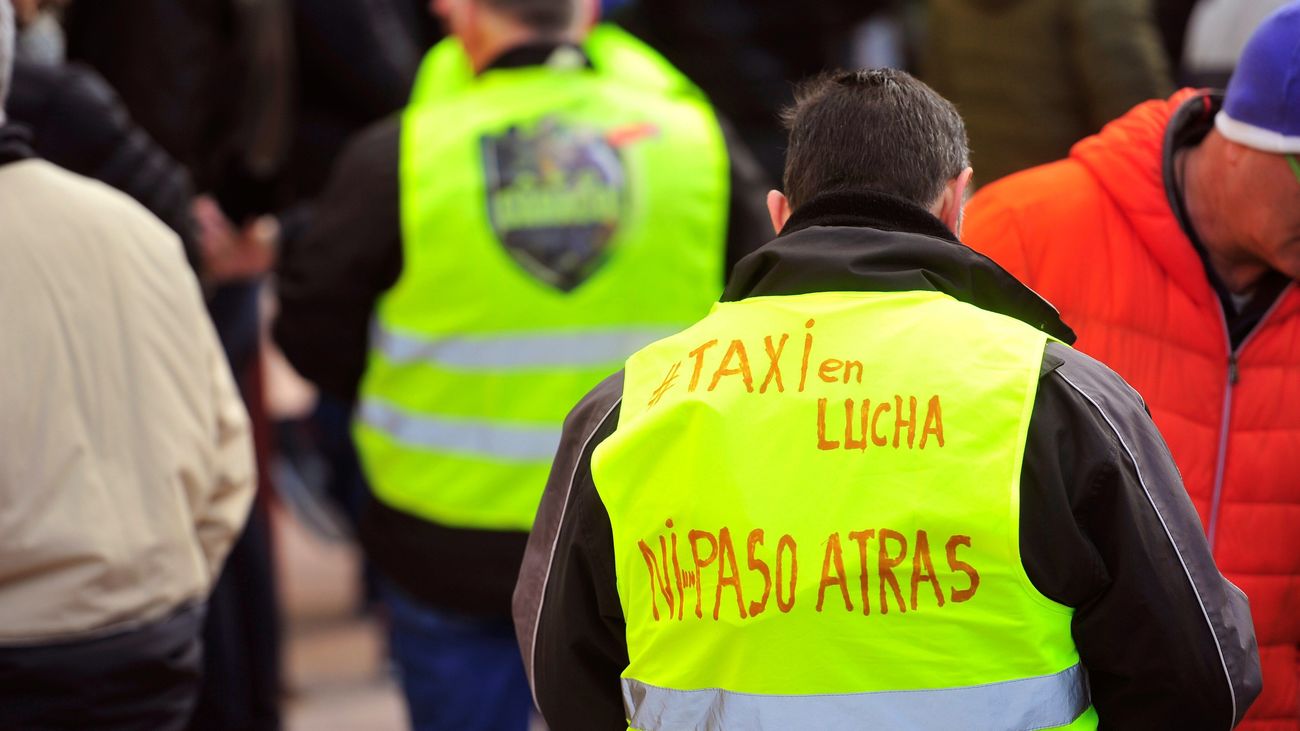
<point>446,68</point>
<point>815,510</point>
<point>555,219</point>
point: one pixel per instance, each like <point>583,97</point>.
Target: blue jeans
<point>459,673</point>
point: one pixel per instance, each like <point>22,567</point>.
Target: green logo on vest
<point>555,198</point>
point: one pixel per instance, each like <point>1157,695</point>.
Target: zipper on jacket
<point>1225,421</point>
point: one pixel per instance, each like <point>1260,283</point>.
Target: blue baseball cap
<point>1261,109</point>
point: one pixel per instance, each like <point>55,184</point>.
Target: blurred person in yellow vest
<point>126,464</point>
<point>554,197</point>
<point>874,488</point>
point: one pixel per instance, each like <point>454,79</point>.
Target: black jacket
<point>211,80</point>
<point>329,282</point>
<point>79,123</point>
<point>1106,527</point>
<point>15,144</point>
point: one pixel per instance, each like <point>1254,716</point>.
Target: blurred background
<point>224,118</point>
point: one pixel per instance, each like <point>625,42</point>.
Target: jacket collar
<point>871,242</point>
<point>534,53</point>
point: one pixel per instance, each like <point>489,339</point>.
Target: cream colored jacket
<point>126,462</point>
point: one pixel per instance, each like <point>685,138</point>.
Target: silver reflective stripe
<point>550,350</point>
<point>485,438</point>
<point>1043,702</point>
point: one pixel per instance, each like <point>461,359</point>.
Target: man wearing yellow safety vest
<point>551,200</point>
<point>874,488</point>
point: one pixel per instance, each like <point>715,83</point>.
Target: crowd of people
<point>1008,360</point>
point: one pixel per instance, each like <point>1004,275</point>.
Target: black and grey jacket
<point>1105,526</point>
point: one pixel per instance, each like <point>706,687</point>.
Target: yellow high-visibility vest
<point>815,508</point>
<point>481,348</point>
<point>446,68</point>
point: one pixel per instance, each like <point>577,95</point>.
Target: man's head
<point>1244,177</point>
<point>489,27</point>
<point>878,130</point>
<point>6,52</point>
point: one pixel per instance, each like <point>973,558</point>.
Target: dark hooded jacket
<point>1105,526</point>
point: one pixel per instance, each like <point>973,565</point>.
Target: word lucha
<point>866,416</point>
<point>897,570</point>
<point>767,368</point>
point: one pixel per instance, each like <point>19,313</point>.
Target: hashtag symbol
<point>667,384</point>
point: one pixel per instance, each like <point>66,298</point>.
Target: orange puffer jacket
<point>1095,235</point>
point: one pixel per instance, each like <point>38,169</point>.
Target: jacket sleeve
<point>1117,50</point>
<point>330,278</point>
<point>1107,528</point>
<point>220,512</point>
<point>567,612</point>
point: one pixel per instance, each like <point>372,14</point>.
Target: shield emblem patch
<point>555,197</point>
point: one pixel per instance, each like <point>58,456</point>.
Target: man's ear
<point>953,201</point>
<point>778,207</point>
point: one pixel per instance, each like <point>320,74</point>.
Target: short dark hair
<point>541,16</point>
<point>878,130</point>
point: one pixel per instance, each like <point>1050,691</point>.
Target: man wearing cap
<point>1171,243</point>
